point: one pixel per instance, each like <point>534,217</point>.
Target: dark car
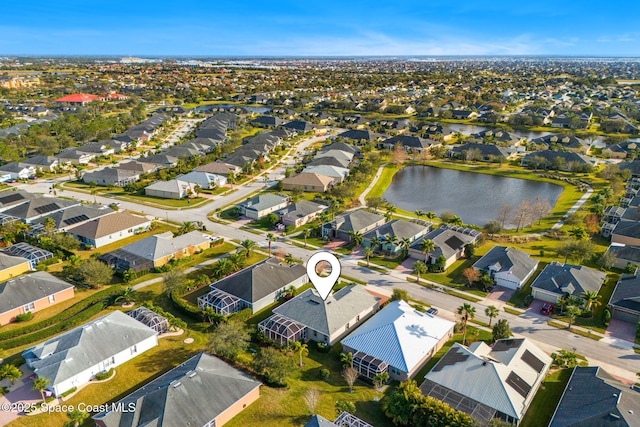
<point>433,311</point>
<point>546,309</point>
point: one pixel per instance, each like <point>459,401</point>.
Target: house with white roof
<point>489,382</point>
<point>398,340</point>
<point>205,180</point>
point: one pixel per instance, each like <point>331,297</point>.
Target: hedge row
<point>55,329</point>
<point>66,314</point>
<point>185,306</point>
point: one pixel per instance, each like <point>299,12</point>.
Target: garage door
<point>623,315</point>
<point>543,296</point>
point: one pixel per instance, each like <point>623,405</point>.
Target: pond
<point>474,197</point>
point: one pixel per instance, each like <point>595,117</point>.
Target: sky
<point>321,28</point>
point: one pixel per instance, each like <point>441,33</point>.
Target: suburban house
<point>300,213</point>
<point>337,173</point>
<point>160,160</point>
<point>18,170</point>
<point>478,151</point>
<point>489,382</point>
<point>172,189</point>
<point>42,163</point>
<point>11,198</point>
<point>450,242</point>
<point>592,397</point>
<point>306,181</point>
<point>74,156</point>
<point>508,267</point>
<point>358,135</point>
<point>392,235</point>
<point>12,266</point>
<point>156,251</point>
<point>358,221</point>
<point>566,159</point>
<point>329,160</point>
<point>254,287</point>
<point>39,207</point>
<point>625,300</point>
<point>139,167</point>
<point>262,205</point>
<point>626,233</point>
<point>308,316</point>
<point>65,219</point>
<point>624,255</point>
<point>398,340</point>
<point>109,229</point>
<point>220,168</point>
<point>205,180</point>
<point>74,358</point>
<point>203,391</point>
<point>117,177</point>
<point>558,280</point>
<point>32,253</point>
<point>31,293</point>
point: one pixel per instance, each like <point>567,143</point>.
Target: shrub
<point>68,392</point>
<point>185,306</point>
<point>24,317</point>
<point>322,347</point>
<point>324,374</point>
<point>606,316</point>
<point>104,375</point>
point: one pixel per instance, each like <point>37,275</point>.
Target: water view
<point>474,197</point>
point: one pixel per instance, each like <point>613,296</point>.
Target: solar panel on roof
<point>46,208</point>
<point>504,345</point>
<point>531,360</point>
<point>76,219</point>
<point>11,198</point>
<point>454,242</point>
<point>518,384</point>
<point>451,358</point>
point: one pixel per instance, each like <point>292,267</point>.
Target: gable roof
<point>8,261</point>
<point>14,197</point>
<point>74,215</point>
<point>301,209</point>
<point>110,175</point>
<point>501,377</point>
<point>399,228</point>
<point>356,220</point>
<point>64,356</point>
<point>330,315</point>
<point>219,167</point>
<point>485,149</point>
<point>566,278</point>
<point>177,186</point>
<point>263,201</point>
<point>27,288</point>
<point>399,335</point>
<point>108,224</point>
<point>448,240</point>
<point>310,179</point>
<point>318,421</point>
<point>160,245</point>
<point>328,170</point>
<point>193,393</point>
<point>40,206</point>
<point>627,293</point>
<point>505,259</point>
<point>592,398</point>
<point>259,280</point>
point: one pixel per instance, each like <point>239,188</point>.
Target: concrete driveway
<point>12,403</point>
<point>621,330</point>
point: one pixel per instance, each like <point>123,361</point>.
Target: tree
<point>540,208</point>
<point>229,339</point>
<point>356,237</point>
<point>399,154</point>
<point>311,399</point>
<point>492,228</point>
<point>10,372</point>
<point>405,244</point>
<point>174,280</point>
<point>94,273</point>
<point>345,406</point>
<point>607,260</point>
<point>469,250</point>
<point>128,295</point>
<point>577,250</point>
<point>472,275</point>
<point>187,227</point>
<point>390,240</point>
<point>274,365</point>
<point>346,359</point>
<point>49,225</point>
<point>375,242</point>
<point>521,215</point>
<point>301,349</point>
<point>419,268</point>
<point>504,213</point>
<point>491,312</point>
<point>41,384</point>
<point>419,213</point>
<point>578,233</point>
<point>368,252</point>
<point>376,203</point>
<point>197,189</point>
<point>426,246</point>
<point>248,246</point>
<point>350,375</point>
<point>271,238</point>
<point>572,312</point>
<point>590,298</point>
<point>466,312</point>
<point>76,417</point>
<point>270,220</point>
<point>306,234</point>
<point>399,295</point>
<point>501,330</point>
<point>380,380</point>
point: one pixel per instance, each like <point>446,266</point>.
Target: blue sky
<point>315,28</point>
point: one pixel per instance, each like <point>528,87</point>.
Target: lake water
<point>474,197</point>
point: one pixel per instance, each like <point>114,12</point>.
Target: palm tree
<point>288,259</point>
<point>271,238</point>
<point>356,237</point>
<point>491,312</point>
<point>419,213</point>
<point>249,246</point>
<point>222,268</point>
<point>572,313</point>
<point>426,246</point>
<point>128,295</point>
<point>391,240</point>
<point>590,298</point>
<point>94,191</point>
<point>578,233</point>
<point>187,227</point>
<point>197,189</point>
<point>11,372</point>
<point>306,234</point>
<point>375,242</point>
<point>405,244</point>
<point>41,384</point>
<point>368,252</point>
<point>562,303</point>
<point>346,359</point>
<point>77,417</point>
<point>430,215</point>
<point>419,268</point>
<point>49,226</point>
<point>466,312</point>
<point>302,350</point>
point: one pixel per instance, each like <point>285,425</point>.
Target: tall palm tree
<point>419,213</point>
<point>405,244</point>
<point>248,245</point>
<point>491,312</point>
<point>572,313</point>
<point>466,312</point>
<point>302,350</point>
<point>391,240</point>
<point>590,298</point>
<point>426,246</point>
<point>306,234</point>
<point>271,238</point>
<point>346,359</point>
<point>368,252</point>
<point>419,268</point>
<point>222,268</point>
<point>375,242</point>
<point>187,227</point>
<point>41,384</point>
<point>356,237</point>
<point>430,215</point>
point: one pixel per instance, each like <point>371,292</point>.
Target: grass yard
<point>384,181</point>
<point>546,399</point>
<point>172,203</point>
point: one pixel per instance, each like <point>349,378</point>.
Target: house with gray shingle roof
<point>477,151</point>
<point>262,205</point>
<point>360,221</point>
<point>172,189</point>
<point>558,280</point>
<point>203,391</point>
<point>320,320</point>
<point>205,180</point>
<point>398,340</point>
<point>108,229</point>
<point>72,359</point>
<point>39,207</point>
<point>70,217</point>
<point>399,228</point>
<point>509,267</point>
<point>450,242</point>
<point>624,255</point>
<point>625,300</point>
<point>111,176</point>
<point>301,212</point>
<point>254,287</point>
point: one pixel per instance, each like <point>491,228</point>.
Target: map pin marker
<point>323,284</point>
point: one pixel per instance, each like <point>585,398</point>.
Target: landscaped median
<point>577,331</point>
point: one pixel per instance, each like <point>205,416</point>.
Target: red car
<point>547,308</point>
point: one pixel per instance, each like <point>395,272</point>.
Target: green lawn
<point>546,399</point>
<point>384,181</point>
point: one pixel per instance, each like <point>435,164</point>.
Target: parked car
<point>433,311</point>
<point>546,309</point>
